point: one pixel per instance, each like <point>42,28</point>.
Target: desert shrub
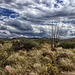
<point>50,70</point>
<point>67,45</point>
<point>43,41</point>
<point>61,55</point>
<point>4,54</point>
<point>17,45</point>
<point>45,60</point>
<point>49,54</point>
<point>25,44</point>
<point>66,64</point>
<point>3,57</point>
<point>2,42</point>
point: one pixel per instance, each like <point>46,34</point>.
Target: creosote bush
<point>67,45</point>
<point>43,41</point>
<point>25,44</point>
<point>53,70</point>
<point>2,42</point>
<point>50,70</point>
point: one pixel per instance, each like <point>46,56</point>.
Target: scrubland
<point>34,57</point>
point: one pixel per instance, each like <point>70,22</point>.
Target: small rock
<point>10,70</point>
<point>37,65</point>
<point>32,73</point>
<point>1,45</point>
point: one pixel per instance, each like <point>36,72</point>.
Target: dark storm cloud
<point>20,26</point>
<point>8,1</point>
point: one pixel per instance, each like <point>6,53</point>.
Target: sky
<point>34,18</point>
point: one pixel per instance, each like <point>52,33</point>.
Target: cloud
<point>32,16</point>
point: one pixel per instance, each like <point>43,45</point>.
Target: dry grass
<point>68,73</point>
<point>33,62</point>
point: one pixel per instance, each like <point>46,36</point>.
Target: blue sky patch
<point>59,1</point>
<point>8,13</point>
<point>55,5</point>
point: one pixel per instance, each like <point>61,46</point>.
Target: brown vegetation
<point>62,55</point>
<point>48,54</point>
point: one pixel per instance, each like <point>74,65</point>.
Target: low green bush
<point>2,42</point>
<point>67,45</point>
<point>49,70</point>
<point>25,44</point>
<point>52,70</point>
<point>42,41</point>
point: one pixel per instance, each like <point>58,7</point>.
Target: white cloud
<point>34,12</point>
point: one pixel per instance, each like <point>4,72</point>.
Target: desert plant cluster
<point>35,57</point>
<point>24,44</point>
